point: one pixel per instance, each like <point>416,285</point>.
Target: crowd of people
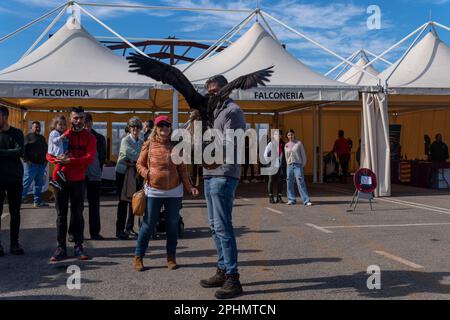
<point>78,153</point>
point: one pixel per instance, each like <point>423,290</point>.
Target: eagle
<point>203,106</point>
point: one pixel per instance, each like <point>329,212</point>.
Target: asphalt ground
<point>285,252</point>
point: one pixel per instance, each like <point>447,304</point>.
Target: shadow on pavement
<point>394,284</point>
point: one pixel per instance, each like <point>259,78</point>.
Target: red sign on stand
<point>365,180</point>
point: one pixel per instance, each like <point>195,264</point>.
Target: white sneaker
<point>290,203</point>
<point>246,181</point>
<point>255,180</point>
<point>308,204</point>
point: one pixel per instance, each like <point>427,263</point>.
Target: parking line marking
<point>388,225</point>
<point>4,215</point>
<point>419,204</point>
<point>274,210</point>
<point>416,205</point>
<point>318,228</point>
<point>405,203</point>
<point>398,259</point>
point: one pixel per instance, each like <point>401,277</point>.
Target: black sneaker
<point>132,233</point>
<point>60,254</point>
<point>62,176</point>
<point>231,288</point>
<point>271,199</point>
<point>55,185</point>
<point>71,238</point>
<point>280,199</point>
<point>16,249</point>
<point>97,237</point>
<point>2,252</point>
<point>215,281</point>
<point>122,236</point>
<point>79,253</point>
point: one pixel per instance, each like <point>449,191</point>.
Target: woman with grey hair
<point>130,148</point>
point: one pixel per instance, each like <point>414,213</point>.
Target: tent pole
<point>346,66</point>
<point>130,6</point>
<point>381,59</point>
<point>111,30</point>
<point>320,46</point>
<point>407,52</point>
<point>320,110</point>
<point>268,26</point>
<point>315,155</point>
<point>385,123</point>
<point>31,23</point>
<point>216,43</point>
<point>441,26</point>
<point>45,32</point>
<point>175,109</point>
<point>244,23</point>
<point>342,62</point>
<point>396,45</point>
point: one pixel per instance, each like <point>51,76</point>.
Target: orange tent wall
<point>415,124</point>
<point>332,122</point>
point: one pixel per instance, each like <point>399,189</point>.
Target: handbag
<point>139,200</point>
<point>139,203</point>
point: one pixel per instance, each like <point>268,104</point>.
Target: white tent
<point>424,70</point>
<point>355,77</point>
<point>73,65</point>
<point>291,80</point>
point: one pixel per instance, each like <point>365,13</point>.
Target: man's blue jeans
<point>295,173</point>
<point>172,207</point>
<point>33,172</point>
<point>219,193</point>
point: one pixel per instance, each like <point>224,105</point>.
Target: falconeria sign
<point>60,93</point>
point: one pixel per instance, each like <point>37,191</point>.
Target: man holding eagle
<point>216,111</point>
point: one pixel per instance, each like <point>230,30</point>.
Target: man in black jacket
<point>35,163</point>
<point>11,173</point>
<point>439,150</point>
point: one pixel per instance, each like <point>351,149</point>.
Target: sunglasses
<point>163,125</point>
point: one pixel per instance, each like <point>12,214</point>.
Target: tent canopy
<point>355,77</point>
<point>425,70</point>
<point>73,68</point>
<point>291,80</point>
<point>72,64</point>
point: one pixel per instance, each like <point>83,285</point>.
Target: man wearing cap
<point>221,182</point>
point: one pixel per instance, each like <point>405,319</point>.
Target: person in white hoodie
<point>296,161</point>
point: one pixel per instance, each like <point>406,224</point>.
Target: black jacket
<point>438,151</point>
<point>101,147</point>
<point>11,150</point>
<point>35,148</point>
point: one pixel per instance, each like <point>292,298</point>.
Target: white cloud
<point>100,12</point>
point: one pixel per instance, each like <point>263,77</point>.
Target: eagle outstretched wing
<point>247,81</point>
<point>167,74</point>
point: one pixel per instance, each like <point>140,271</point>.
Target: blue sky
<point>339,25</point>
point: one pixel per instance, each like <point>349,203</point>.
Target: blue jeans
<point>295,173</point>
<point>219,193</point>
<point>34,172</point>
<point>172,207</point>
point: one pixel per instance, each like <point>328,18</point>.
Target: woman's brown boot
<point>138,263</point>
<point>171,263</point>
